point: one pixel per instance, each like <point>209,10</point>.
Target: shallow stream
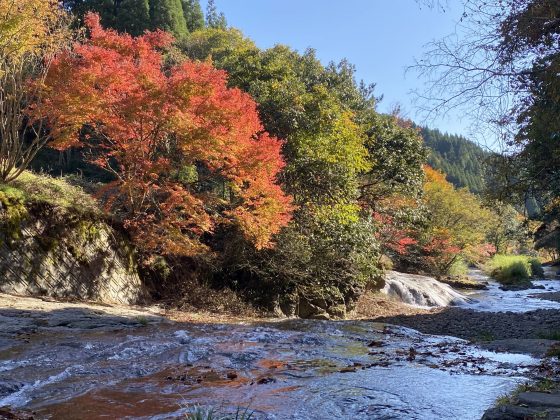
<point>496,300</point>
<point>293,369</point>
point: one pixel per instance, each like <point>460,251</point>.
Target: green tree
<point>136,16</point>
<point>194,17</point>
<point>214,19</point>
<point>506,229</point>
<point>167,15</point>
<point>105,9</point>
<point>328,253</point>
<point>463,161</point>
<point>397,154</point>
<point>133,16</point>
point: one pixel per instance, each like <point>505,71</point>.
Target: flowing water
<point>496,300</point>
<point>419,290</point>
<point>293,369</point>
<point>424,291</point>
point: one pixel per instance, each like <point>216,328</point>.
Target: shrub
<point>320,264</point>
<point>536,267</point>
<point>511,269</point>
<point>458,268</point>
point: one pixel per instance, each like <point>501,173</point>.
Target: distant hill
<point>461,159</point>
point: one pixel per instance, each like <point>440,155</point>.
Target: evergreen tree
<point>105,9</point>
<point>167,15</point>
<point>463,161</point>
<point>193,15</point>
<point>214,19</point>
<point>133,16</point>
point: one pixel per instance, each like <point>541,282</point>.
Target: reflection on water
<point>294,369</point>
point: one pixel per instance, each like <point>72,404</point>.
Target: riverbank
<point>529,332</point>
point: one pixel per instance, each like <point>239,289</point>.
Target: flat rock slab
<point>474,325</point>
<point>514,412</point>
<point>539,399</point>
<point>536,347</point>
<point>25,315</point>
<point>552,296</point>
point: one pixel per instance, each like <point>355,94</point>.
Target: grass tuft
<point>514,269</point>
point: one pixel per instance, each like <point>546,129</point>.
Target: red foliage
<point>439,252</point>
<point>146,123</point>
<point>481,252</point>
<point>391,237</point>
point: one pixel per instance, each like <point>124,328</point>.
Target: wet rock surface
<point>539,399</point>
<point>515,412</point>
<point>519,286</point>
<point>538,347</point>
<point>120,362</point>
<point>22,316</point>
<point>552,296</point>
<point>464,282</point>
<point>114,364</point>
<point>528,405</point>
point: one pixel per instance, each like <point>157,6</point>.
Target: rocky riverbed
<point>79,361</point>
<point>524,332</point>
<point>119,362</point>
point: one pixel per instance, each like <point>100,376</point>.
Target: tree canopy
<point>32,32</point>
<point>134,17</point>
<point>153,129</point>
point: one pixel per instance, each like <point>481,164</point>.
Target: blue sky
<point>380,37</point>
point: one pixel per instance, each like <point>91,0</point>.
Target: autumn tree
<point>458,223</point>
<point>186,152</point>
<point>502,68</point>
<point>31,33</point>
<point>329,251</point>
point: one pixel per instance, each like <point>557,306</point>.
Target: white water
<point>421,290</point>
<point>426,291</point>
<point>496,300</point>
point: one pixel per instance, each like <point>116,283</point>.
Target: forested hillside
<point>462,160</point>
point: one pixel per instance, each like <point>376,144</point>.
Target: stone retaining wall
<point>95,266</point>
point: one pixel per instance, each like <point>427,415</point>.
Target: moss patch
<point>12,212</point>
<point>57,192</point>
